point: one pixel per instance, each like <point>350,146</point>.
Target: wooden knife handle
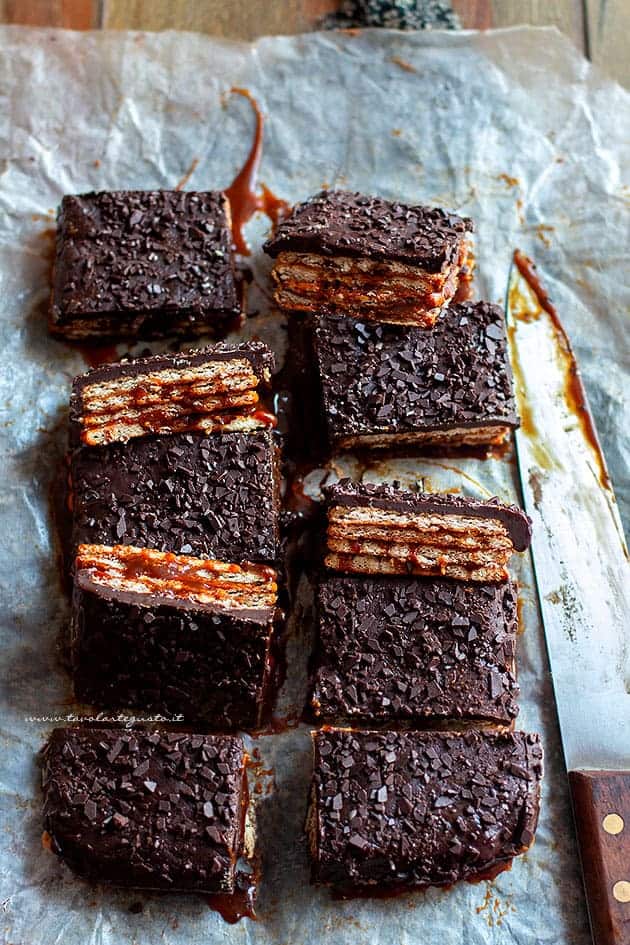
<point>601,804</point>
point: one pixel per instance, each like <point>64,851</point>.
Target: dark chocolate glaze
<point>421,808</point>
<point>417,651</point>
<point>340,223</point>
<point>152,653</point>
<point>394,499</point>
<point>110,794</point>
<point>152,262</point>
<point>211,496</point>
<point>386,379</point>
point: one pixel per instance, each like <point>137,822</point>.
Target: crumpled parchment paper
<point>513,128</point>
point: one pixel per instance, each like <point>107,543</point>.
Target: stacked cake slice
<point>175,494</point>
<point>397,362</point>
<point>417,632</point>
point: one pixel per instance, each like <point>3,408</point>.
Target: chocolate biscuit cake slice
<point>214,496</point>
<point>144,264</point>
<point>174,634</point>
<point>385,530</point>
<point>148,809</point>
<point>374,259</point>
<point>385,386</point>
<point>416,652</point>
<point>395,810</point>
<point>215,389</point>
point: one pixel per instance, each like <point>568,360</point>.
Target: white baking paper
<point>513,128</point>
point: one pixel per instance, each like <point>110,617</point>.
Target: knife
<point>583,584</point>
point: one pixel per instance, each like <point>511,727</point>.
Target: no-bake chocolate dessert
<point>390,385</point>
<point>216,389</point>
<point>143,264</point>
<point>385,530</point>
<point>421,652</point>
<point>375,259</point>
<point>156,810</point>
<point>392,810</point>
<point>213,496</point>
<point>173,634</point>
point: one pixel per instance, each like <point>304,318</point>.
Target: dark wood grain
<point>601,803</point>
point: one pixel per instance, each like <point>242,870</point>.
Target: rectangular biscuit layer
<point>201,392</point>
<point>378,541</point>
<point>379,291</point>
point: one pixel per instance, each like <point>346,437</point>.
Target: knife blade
<point>583,582</point>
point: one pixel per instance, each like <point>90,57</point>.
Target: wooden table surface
<point>600,28</point>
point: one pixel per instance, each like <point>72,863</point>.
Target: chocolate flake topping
<point>421,808</point>
<point>336,222</point>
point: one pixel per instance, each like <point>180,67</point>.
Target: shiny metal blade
<point>579,552</point>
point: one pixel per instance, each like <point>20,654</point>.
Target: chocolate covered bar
<point>390,385</point>
<point>414,809</point>
<point>215,389</point>
<point>415,651</point>
<point>375,259</point>
<point>143,264</point>
<point>155,810</point>
<point>209,496</point>
<point>386,530</point>
<point>173,634</point>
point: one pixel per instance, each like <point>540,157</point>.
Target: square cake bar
<point>374,259</point>
<point>211,496</point>
<point>391,385</point>
<point>153,810</point>
<point>417,809</point>
<point>144,264</point>
<point>421,652</point>
<point>386,530</point>
<point>173,634</point>
<point>215,389</point>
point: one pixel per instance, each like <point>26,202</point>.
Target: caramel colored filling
<point>378,541</point>
<point>388,291</point>
<point>126,569</point>
<point>215,395</point>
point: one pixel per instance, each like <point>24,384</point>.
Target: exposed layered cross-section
<point>216,389</point>
<point>384,530</point>
<point>374,259</point>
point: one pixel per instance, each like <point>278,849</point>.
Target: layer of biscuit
<point>491,435</point>
<point>200,392</point>
<point>380,541</point>
<point>125,569</point>
<point>375,290</point>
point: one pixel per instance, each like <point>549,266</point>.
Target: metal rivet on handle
<point>613,824</point>
<point>621,891</point>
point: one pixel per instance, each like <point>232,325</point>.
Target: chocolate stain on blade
<point>244,200</point>
<point>574,393</point>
